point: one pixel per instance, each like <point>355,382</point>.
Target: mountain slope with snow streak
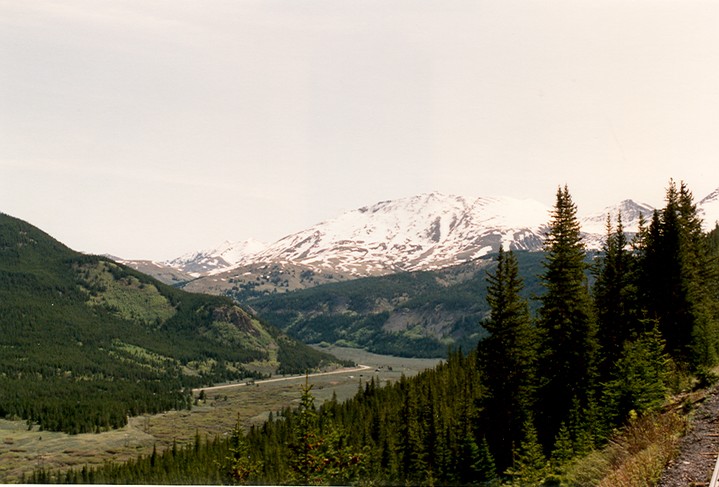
<point>422,232</point>
<point>709,210</point>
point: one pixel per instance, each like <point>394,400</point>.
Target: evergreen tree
<point>581,425</point>
<point>665,277</point>
<point>320,450</point>
<point>568,362</point>
<point>507,361</point>
<point>703,282</point>
<point>563,449</point>
<point>241,464</point>
<point>413,455</point>
<point>639,381</point>
<point>713,243</point>
<point>678,279</point>
<point>713,269</point>
<point>614,293</point>
<point>485,467</point>
<point>530,465</point>
<point>475,462</point>
<point>306,464</point>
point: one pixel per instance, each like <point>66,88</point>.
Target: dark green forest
<point>437,308</point>
<point>86,342</point>
<point>541,390</point>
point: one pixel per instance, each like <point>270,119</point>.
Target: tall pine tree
<point>702,280</point>
<point>507,360</point>
<point>568,361</point>
<point>614,292</point>
<point>677,280</point>
<point>530,466</point>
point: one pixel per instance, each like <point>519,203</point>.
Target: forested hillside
<point>532,404</point>
<point>418,314</point>
<point>86,342</point>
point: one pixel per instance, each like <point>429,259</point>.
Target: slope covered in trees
<point>86,342</point>
<point>415,314</point>
<point>483,417</point>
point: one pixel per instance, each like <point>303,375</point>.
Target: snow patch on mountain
<point>594,227</point>
<point>709,210</point>
<point>216,260</point>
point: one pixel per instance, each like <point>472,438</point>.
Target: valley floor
<point>22,450</point>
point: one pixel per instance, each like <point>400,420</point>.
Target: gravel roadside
<point>698,449</point>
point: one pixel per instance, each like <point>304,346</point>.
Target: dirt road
<point>349,370</point>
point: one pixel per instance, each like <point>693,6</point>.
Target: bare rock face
<point>236,317</point>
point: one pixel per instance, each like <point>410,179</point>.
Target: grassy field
<point>22,450</point>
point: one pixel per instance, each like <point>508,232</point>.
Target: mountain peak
<point>630,211</point>
<point>594,227</point>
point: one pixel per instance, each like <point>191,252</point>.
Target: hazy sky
<point>147,129</point>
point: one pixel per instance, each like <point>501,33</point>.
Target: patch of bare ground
<point>23,450</point>
<point>698,449</point>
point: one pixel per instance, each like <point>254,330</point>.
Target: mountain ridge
<point>423,232</point>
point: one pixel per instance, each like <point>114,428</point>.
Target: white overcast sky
<point>147,129</point>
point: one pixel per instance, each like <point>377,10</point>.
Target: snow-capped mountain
<point>630,212</point>
<point>213,261</point>
<point>594,227</point>
<point>709,210</point>
<point>423,232</point>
